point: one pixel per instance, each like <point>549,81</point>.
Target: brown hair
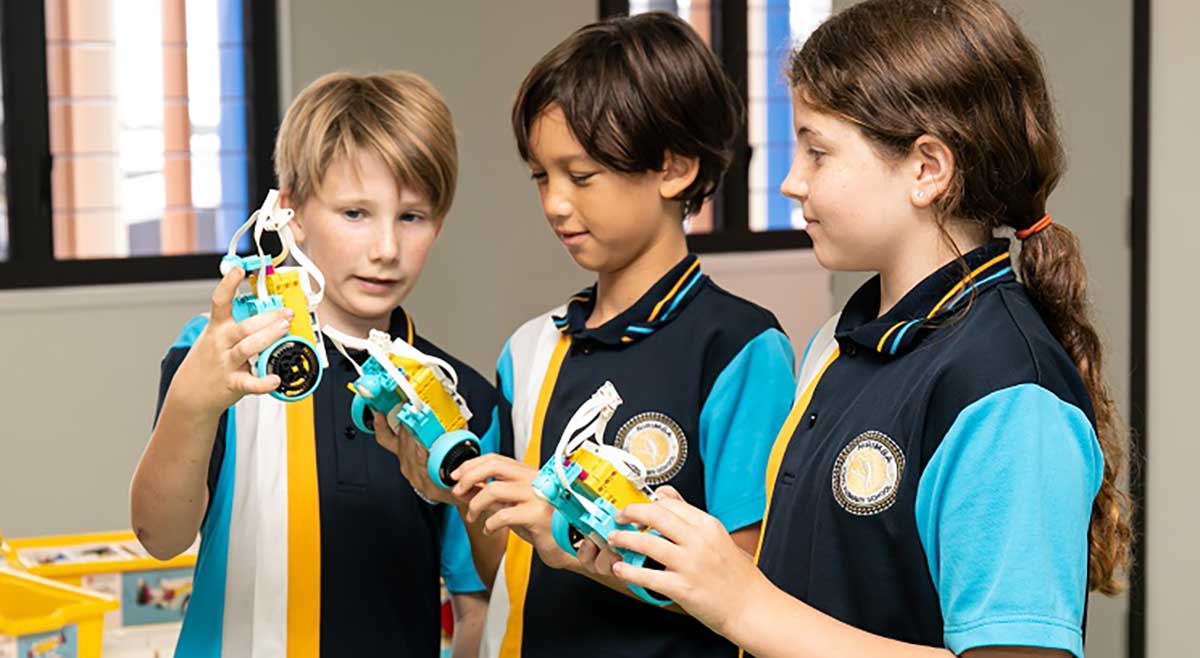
<point>398,116</point>
<point>633,89</point>
<point>962,71</point>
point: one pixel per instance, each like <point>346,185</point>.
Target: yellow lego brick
<point>287,285</point>
<point>432,392</point>
<point>605,481</point>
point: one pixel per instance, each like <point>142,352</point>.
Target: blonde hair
<point>398,116</point>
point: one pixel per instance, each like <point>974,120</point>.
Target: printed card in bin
<point>150,591</point>
<point>42,618</point>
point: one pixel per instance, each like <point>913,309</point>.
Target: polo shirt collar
<point>924,308</point>
<point>661,304</point>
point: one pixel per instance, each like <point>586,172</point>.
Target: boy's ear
<point>932,163</point>
<point>297,224</point>
<point>678,173</point>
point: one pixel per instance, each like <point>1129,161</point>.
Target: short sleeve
<point>1003,509</point>
<point>457,566</point>
<point>503,438</point>
<point>743,412</point>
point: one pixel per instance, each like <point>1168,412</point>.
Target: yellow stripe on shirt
<point>518,555</point>
<point>784,438</point>
<point>960,284</point>
<point>658,307</point>
<point>304,534</point>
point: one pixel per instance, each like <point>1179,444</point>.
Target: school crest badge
<point>658,442</point>
<point>867,473</point>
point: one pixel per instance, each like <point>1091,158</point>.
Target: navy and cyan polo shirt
<point>935,480</point>
<point>382,549</point>
<point>706,379</point>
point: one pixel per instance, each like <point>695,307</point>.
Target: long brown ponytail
<point>962,71</point>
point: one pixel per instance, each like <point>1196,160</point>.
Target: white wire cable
<point>400,347</point>
<point>338,344</point>
<point>271,217</point>
<point>372,348</point>
<point>379,345</point>
<point>586,430</point>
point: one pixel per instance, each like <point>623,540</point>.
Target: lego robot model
<point>588,482</point>
<point>299,357</point>
<point>413,390</point>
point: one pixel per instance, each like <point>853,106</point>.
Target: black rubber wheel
<point>460,453</point>
<point>368,418</point>
<point>296,364</point>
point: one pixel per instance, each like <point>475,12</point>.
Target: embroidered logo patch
<point>658,442</point>
<point>866,475</point>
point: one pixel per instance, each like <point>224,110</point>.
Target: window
<point>139,140</point>
<point>752,39</point>
<point>774,27</point>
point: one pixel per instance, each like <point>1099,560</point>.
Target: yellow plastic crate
<point>41,618</point>
<point>149,590</point>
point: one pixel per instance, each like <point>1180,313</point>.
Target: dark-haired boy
<point>627,126</point>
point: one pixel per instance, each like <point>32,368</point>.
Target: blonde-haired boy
<point>311,539</point>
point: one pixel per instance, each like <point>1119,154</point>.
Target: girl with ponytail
<point>947,481</point>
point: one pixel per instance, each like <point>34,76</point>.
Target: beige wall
<point>1173,562</point>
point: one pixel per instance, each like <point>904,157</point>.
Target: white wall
<point>1173,523</point>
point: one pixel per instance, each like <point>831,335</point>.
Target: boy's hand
<point>500,491</point>
<point>414,459</point>
<point>215,374</point>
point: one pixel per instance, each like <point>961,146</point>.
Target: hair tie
<point>1038,227</point>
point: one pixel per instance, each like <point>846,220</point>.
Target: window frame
<point>731,205</point>
<point>31,262</point>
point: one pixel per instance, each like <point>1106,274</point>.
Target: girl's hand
<point>704,570</point>
<point>216,373</point>
<point>597,563</point>
<point>500,493</point>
